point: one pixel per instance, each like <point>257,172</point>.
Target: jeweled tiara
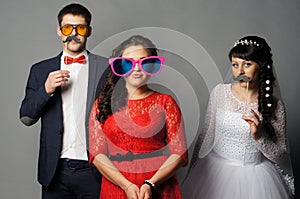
<point>246,42</point>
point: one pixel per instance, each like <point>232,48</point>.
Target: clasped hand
<point>134,192</point>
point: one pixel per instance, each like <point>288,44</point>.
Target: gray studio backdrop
<point>194,36</point>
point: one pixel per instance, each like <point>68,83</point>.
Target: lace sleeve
<point>97,140</point>
<point>205,140</point>
<point>175,130</point>
<point>276,151</point>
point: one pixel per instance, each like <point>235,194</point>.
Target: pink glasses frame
<point>134,62</point>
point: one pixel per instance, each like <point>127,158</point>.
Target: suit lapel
<point>55,65</point>
<point>92,79</point>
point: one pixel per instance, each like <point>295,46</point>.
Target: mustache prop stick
<point>70,38</point>
<point>247,80</point>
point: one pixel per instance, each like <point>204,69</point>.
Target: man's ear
<point>58,31</point>
<point>89,32</point>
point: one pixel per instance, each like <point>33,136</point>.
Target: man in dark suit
<point>60,91</point>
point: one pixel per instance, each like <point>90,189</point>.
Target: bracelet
<point>152,185</point>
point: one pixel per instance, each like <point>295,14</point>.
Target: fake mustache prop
<point>246,79</point>
<point>70,38</point>
<point>242,78</point>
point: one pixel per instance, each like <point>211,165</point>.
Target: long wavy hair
<point>114,94</point>
<point>259,51</point>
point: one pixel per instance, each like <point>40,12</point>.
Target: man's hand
<point>56,79</point>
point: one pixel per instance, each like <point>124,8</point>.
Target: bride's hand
<point>254,122</point>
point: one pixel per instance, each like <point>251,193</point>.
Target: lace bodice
<point>234,137</point>
<point>145,125</point>
<point>235,141</point>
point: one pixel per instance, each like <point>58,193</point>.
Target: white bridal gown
<point>232,165</point>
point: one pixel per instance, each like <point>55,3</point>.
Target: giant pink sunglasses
<point>122,66</point>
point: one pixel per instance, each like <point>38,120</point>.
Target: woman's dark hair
<point>254,48</point>
<point>113,95</point>
<point>75,9</point>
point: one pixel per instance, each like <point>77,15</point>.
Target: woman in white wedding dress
<point>242,152</point>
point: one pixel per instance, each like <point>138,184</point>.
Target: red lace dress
<point>146,125</point>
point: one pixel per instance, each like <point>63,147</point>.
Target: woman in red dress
<point>137,138</point>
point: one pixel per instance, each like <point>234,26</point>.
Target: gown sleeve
<point>276,150</point>
<point>205,140</point>
<point>175,130</point>
<point>97,139</point>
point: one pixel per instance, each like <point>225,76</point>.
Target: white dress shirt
<point>74,97</point>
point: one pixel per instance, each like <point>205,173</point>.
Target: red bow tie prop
<point>70,60</point>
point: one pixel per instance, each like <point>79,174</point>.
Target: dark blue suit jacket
<point>37,104</point>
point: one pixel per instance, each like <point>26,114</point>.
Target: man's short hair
<point>75,9</point>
